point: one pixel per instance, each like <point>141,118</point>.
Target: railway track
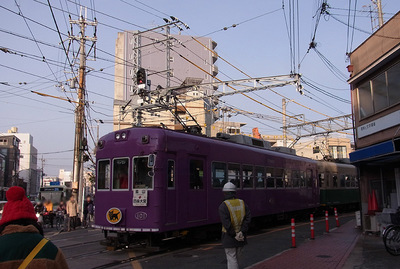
<point>181,249</point>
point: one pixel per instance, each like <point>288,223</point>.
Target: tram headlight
<point>100,144</point>
<point>117,136</point>
<point>123,135</point>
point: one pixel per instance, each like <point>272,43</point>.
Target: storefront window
<point>393,82</point>
<point>365,100</point>
<point>380,92</point>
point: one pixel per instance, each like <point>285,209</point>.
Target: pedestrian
<point>62,208</point>
<point>235,217</point>
<point>48,204</point>
<point>72,213</point>
<point>87,211</point>
<point>22,244</point>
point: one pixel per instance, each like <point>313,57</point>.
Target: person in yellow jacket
<point>235,218</point>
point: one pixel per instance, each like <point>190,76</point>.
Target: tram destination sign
<point>140,197</point>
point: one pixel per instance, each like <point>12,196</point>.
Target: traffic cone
<point>370,211</point>
<point>374,202</point>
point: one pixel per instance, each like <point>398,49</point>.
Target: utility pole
<point>284,122</point>
<point>168,55</point>
<point>42,170</point>
<point>380,13</point>
<point>80,143</point>
<point>378,6</point>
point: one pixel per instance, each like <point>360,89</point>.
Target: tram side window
<point>309,178</point>
<point>355,182</point>
<point>270,177</point>
<point>196,174</point>
<point>171,174</point>
<point>302,179</point>
<point>142,174</point>
<point>247,175</point>
<point>219,175</point>
<point>287,178</point>
<point>328,180</point>
<point>345,181</point>
<point>120,173</point>
<point>278,177</point>
<point>296,178</point>
<point>234,174</point>
<point>103,175</point>
<point>335,181</point>
<point>321,178</point>
<point>260,177</point>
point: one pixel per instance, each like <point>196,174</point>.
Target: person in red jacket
<point>22,244</point>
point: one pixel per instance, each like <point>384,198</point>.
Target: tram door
<point>197,193</point>
<point>171,194</point>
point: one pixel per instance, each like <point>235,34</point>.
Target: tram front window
<point>120,173</point>
<point>103,175</point>
<point>142,174</point>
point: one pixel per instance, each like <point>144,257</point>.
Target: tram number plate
<point>140,197</point>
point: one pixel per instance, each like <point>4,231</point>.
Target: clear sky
<point>258,45</point>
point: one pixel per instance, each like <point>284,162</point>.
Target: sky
<point>32,59</point>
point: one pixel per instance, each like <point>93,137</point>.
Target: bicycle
<point>391,236</point>
<point>59,220</point>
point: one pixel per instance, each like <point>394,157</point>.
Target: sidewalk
<point>370,252</point>
<point>328,251</point>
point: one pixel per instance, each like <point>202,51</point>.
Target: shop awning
<point>375,152</point>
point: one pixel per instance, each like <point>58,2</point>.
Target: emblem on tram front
<point>114,215</point>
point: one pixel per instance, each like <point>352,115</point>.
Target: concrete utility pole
<point>168,55</point>
<point>378,4</point>
<point>284,122</point>
<point>380,13</point>
<point>80,142</point>
<point>42,170</point>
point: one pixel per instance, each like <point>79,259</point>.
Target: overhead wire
<point>247,75</point>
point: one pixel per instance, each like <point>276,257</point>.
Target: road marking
<point>135,264</point>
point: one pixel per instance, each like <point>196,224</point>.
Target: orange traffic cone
<point>374,202</point>
<point>370,211</point>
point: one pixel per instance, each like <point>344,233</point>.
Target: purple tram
<point>153,181</point>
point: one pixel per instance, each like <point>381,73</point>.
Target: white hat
<point>229,187</point>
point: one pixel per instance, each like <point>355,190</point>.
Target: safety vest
<point>237,211</point>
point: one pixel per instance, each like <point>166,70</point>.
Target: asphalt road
<point>82,249</point>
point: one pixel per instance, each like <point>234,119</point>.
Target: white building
<point>28,170</point>
<point>65,177</point>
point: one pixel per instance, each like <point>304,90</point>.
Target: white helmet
<point>229,187</point>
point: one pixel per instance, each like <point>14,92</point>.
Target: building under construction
<point>159,54</point>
